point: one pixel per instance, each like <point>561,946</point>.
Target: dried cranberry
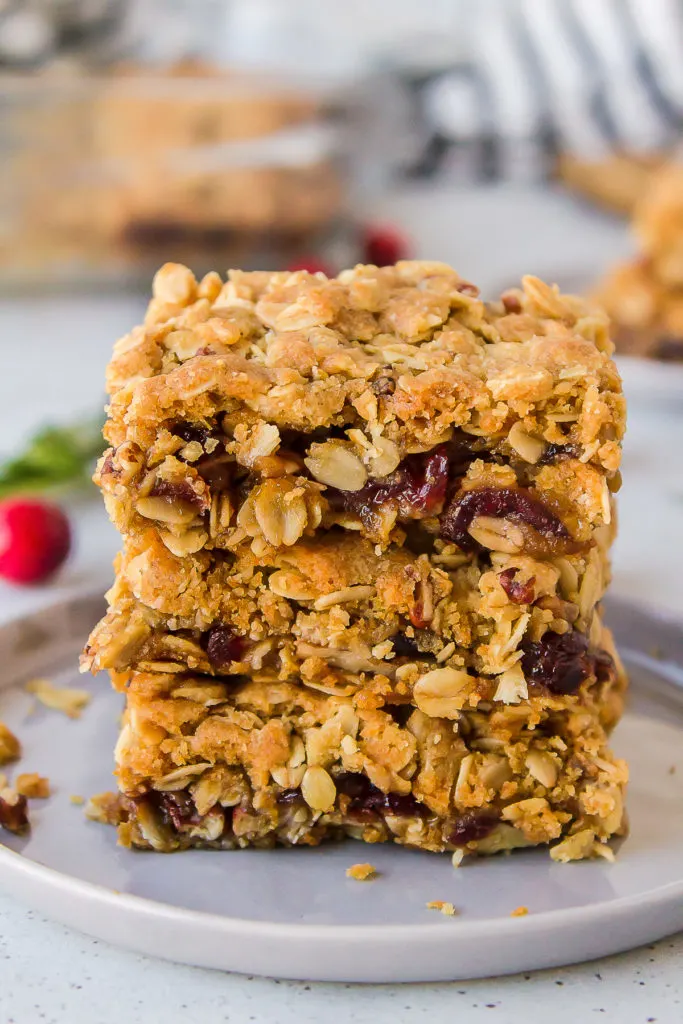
<point>560,662</point>
<point>14,816</point>
<point>365,797</point>
<point>223,646</point>
<point>515,504</point>
<point>289,796</point>
<point>556,452</point>
<point>217,471</point>
<point>404,646</point>
<point>178,810</point>
<point>404,804</point>
<point>471,827</point>
<point>192,432</point>
<point>418,487</point>
<point>520,593</point>
<point>178,490</point>
<point>383,386</point>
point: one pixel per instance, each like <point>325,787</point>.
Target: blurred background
<point>502,136</point>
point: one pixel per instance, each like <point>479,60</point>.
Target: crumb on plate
<point>361,872</point>
<point>77,799</point>
<point>520,912</point>
<point>10,748</point>
<point>457,858</point>
<point>60,698</point>
<point>33,785</point>
<point>446,908</point>
<point>105,808</point>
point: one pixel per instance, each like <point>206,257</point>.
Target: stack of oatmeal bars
<point>644,295</point>
<point>366,523</point>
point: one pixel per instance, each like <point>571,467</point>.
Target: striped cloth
<point>532,78</point>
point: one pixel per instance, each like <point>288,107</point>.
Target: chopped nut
<point>361,872</point>
<point>445,908</point>
<point>33,785</point>
<point>10,748</point>
<point>60,698</point>
<point>13,811</point>
<point>457,858</point>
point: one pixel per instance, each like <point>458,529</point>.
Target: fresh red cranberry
<point>313,265</point>
<point>515,504</point>
<point>223,646</point>
<point>559,662</point>
<point>471,827</point>
<point>35,539</point>
<point>384,245</point>
<point>520,593</point>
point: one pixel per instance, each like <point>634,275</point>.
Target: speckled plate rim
<point>352,953</point>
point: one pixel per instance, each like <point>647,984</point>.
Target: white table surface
<point>54,352</point>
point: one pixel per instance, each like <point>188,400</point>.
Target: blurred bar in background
<point>256,132</point>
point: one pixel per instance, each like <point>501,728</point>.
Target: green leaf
<point>54,457</point>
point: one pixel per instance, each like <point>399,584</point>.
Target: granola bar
<point>375,492</point>
<point>644,296</point>
<point>265,761</point>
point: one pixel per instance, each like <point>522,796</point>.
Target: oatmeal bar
<point>371,485</point>
<point>644,296</point>
<point>263,761</point>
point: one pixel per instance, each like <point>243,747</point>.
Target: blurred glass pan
<point>102,178</point>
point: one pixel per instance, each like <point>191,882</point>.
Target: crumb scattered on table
<point>457,858</point>
<point>33,785</point>
<point>60,698</point>
<point>520,912</point>
<point>446,908</point>
<point>76,799</point>
<point>361,872</point>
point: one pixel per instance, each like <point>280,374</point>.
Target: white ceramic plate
<point>293,913</point>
